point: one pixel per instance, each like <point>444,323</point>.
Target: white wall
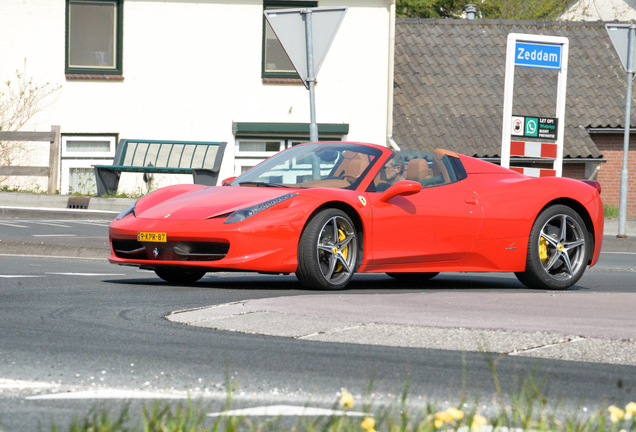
<point>603,10</point>
<point>191,68</point>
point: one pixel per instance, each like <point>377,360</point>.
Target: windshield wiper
<point>264,184</point>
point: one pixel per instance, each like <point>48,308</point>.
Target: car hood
<point>205,203</point>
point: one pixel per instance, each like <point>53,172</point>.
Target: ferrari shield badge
<point>363,200</point>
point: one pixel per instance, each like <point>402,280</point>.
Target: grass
<point>610,211</point>
<point>36,191</point>
<point>136,194</point>
<point>528,409</point>
<point>523,413</point>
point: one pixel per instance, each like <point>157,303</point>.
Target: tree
<point>488,9</point>
<point>537,10</point>
<point>20,101</point>
<point>430,8</point>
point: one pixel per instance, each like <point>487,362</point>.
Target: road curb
<point>48,202</point>
<point>59,250</point>
<point>55,213</point>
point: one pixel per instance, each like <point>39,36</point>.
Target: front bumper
<point>257,244</point>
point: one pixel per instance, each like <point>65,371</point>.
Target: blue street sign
<point>538,55</point>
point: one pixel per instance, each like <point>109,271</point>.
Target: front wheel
<point>327,251</point>
<point>557,250</point>
<point>177,275</point>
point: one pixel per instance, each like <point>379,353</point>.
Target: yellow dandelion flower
<point>368,424</point>
<point>346,400</point>
<point>616,413</point>
<point>478,422</point>
<point>442,417</point>
<point>455,413</point>
<point>630,410</point>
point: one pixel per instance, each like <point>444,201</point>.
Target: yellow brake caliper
<point>543,249</point>
<point>345,250</point>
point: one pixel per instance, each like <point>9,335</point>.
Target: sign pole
<point>560,107</point>
<point>509,83</point>
<point>622,204</point>
<point>313,126</point>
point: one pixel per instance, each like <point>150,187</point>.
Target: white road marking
<point>19,276</point>
<point>55,257</point>
<point>9,384</point>
<point>53,235</point>
<point>86,274</point>
<point>109,394</point>
<point>92,223</point>
<point>286,410</point>
<point>13,225</point>
<point>622,253</point>
<point>50,224</point>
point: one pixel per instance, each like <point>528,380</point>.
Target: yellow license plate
<point>152,237</point>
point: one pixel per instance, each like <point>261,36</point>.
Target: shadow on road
<point>362,283</point>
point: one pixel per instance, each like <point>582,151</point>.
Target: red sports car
<point>328,210</point>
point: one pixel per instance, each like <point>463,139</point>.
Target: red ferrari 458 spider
<point>325,211</point>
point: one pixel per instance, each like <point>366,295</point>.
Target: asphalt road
<point>74,325</point>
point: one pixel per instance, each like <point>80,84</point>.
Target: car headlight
<point>246,212</point>
<point>129,210</point>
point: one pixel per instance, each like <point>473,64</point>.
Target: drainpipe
<point>393,144</point>
<point>471,11</point>
<point>390,77</point>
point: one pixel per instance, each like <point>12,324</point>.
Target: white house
<point>194,70</point>
<point>600,10</point>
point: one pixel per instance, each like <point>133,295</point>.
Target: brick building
<point>449,87</point>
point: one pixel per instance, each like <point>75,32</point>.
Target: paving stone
<point>274,324</point>
<point>441,338</point>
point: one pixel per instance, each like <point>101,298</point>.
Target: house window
<point>94,37</point>
<point>275,63</point>
<point>255,142</point>
<point>79,154</point>
<point>251,152</point>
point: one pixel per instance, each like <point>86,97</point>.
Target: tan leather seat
<point>417,170</point>
<point>352,166</point>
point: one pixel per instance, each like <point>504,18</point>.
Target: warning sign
<point>518,126</point>
<point>535,127</point>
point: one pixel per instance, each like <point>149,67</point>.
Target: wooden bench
<point>201,159</point>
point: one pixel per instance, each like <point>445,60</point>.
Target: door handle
<point>472,200</point>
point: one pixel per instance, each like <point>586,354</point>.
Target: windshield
<point>335,165</point>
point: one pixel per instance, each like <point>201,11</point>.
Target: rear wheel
<point>328,251</point>
<point>177,275</point>
<point>557,250</point>
<point>413,277</point>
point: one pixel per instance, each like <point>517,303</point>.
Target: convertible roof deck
<point>528,159</point>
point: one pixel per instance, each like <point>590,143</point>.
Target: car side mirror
<point>227,181</point>
<point>403,188</point>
